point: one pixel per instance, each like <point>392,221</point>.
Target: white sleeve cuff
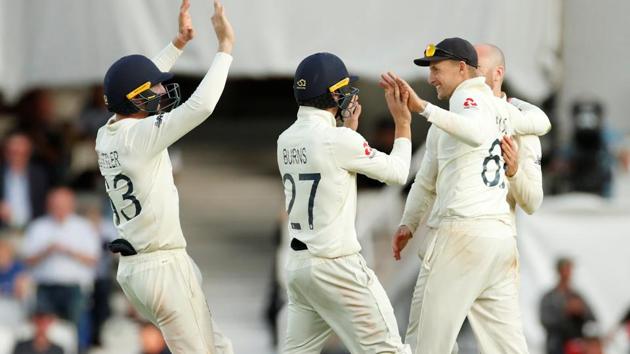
<point>172,48</point>
<point>427,110</point>
<point>224,56</point>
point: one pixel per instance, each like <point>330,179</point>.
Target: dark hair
<point>561,262</point>
<point>322,101</point>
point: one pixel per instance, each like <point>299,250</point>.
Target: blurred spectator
<point>588,345</point>
<point>593,345</point>
<point>84,173</point>
<point>40,343</point>
<point>23,184</point>
<point>563,311</point>
<point>95,114</point>
<point>103,284</point>
<point>14,281</point>
<point>36,119</point>
<point>62,249</point>
<point>152,340</point>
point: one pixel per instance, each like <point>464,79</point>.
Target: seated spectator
<point>23,184</point>
<point>40,343</point>
<point>13,278</point>
<point>563,311</point>
<point>152,340</point>
<point>62,250</point>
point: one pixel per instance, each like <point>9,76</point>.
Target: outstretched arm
<point>154,134</point>
<point>422,191</point>
<point>464,121</point>
<point>167,57</point>
<point>531,121</point>
<point>354,154</point>
<point>420,197</point>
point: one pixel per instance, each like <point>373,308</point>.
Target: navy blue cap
<point>317,74</point>
<point>130,74</point>
<point>450,49</point>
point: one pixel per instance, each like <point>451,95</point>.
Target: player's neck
<point>332,111</point>
<point>138,115</point>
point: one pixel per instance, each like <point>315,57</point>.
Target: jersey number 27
<point>315,178</point>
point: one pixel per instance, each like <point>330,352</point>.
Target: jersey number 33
<point>123,186</point>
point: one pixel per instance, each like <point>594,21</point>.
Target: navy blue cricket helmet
<point>320,75</point>
<point>127,87</point>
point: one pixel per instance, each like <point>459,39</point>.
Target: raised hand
<point>400,240</point>
<point>352,121</point>
<point>222,28</point>
<point>397,99</point>
<point>186,30</point>
<point>415,103</point>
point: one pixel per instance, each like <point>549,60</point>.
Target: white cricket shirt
<point>133,159</point>
<point>526,186</point>
<point>318,163</point>
<point>463,167</point>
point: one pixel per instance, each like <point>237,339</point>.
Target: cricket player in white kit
<point>330,288</point>
<point>523,153</point>
<point>155,272</point>
<point>471,265</point>
<point>524,177</point>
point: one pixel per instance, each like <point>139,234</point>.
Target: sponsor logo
<point>158,120</point>
<point>469,103</point>
<point>301,84</point>
<point>368,150</point>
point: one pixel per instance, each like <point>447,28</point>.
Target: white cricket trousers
<point>470,268</point>
<point>341,295</point>
<point>165,287</point>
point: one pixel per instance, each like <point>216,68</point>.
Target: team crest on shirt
<point>158,120</point>
<point>368,150</point>
<point>470,103</point>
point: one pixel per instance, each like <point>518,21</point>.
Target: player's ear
<point>499,73</point>
<point>463,68</point>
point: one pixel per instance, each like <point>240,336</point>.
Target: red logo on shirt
<point>367,149</point>
<point>469,103</point>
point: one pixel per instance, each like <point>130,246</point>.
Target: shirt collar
<point>478,83</point>
<point>316,114</point>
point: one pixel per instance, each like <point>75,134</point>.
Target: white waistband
<point>151,256</point>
